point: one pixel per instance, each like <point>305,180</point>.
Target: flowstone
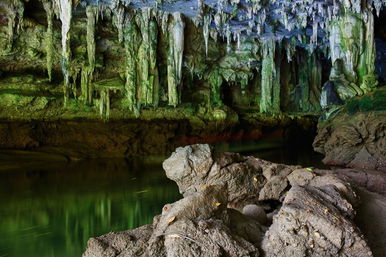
<point>265,56</point>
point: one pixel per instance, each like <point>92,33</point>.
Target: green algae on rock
<point>204,54</point>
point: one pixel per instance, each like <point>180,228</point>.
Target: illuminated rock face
<point>263,55</point>
<point>314,216</point>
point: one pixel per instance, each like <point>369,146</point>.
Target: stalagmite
<point>49,37</point>
<point>270,83</point>
<point>104,104</point>
<point>64,8</point>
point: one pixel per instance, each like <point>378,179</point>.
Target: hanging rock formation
<point>352,54</point>
<point>64,9</point>
<point>233,55</point>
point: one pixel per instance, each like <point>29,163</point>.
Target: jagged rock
<point>197,166</point>
<point>131,242</point>
<point>197,225</point>
<point>356,140</point>
<point>329,97</point>
<point>274,188</point>
<point>300,177</point>
<point>373,181</point>
<point>310,224</point>
<point>315,217</point>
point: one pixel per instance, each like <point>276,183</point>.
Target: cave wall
<point>100,59</point>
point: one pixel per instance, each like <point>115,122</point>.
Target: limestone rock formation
<point>268,56</point>
<point>354,140</point>
<point>313,212</point>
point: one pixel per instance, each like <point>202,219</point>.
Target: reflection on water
<point>49,207</point>
<point>276,150</point>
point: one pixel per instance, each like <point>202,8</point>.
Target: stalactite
<point>88,71</point>
<point>49,37</point>
<point>92,14</point>
<point>366,71</point>
<point>215,80</point>
<point>178,34</point>
<point>175,55</point>
<point>378,5</point>
<point>118,20</point>
<point>131,37</point>
<point>165,22</point>
<point>15,15</point>
<point>228,38</point>
<point>145,93</point>
<point>154,77</point>
<point>314,37</point>
<point>205,31</point>
<point>171,76</point>
<point>352,51</point>
<point>309,84</point>
<point>64,9</point>
<point>11,27</point>
<point>270,83</point>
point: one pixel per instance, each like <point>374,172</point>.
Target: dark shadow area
<point>380,45</point>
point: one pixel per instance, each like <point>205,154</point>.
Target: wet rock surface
<point>357,141</point>
<point>228,205</point>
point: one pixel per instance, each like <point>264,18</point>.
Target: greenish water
<point>50,207</point>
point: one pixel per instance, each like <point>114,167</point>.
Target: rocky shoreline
<point>244,206</point>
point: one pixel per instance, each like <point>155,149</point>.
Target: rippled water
<point>49,207</point>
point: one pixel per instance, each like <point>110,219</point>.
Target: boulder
<point>197,225</point>
<point>310,224</point>
<point>313,212</point>
<point>356,140</point>
<point>248,179</point>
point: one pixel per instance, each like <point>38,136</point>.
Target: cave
<point>380,39</point>
<point>192,128</point>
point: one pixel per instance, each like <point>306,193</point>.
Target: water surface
<point>50,207</point>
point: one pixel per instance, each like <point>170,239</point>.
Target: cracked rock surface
<point>228,204</point>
